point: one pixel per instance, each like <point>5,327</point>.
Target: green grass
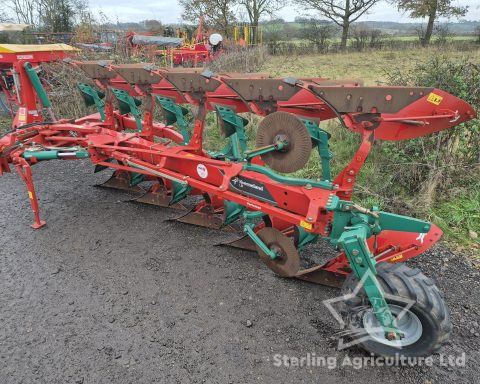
<point>448,38</point>
<point>460,215</point>
<point>370,66</point>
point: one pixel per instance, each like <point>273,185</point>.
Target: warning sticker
<point>396,258</point>
<point>22,114</point>
<point>305,225</point>
<point>434,98</point>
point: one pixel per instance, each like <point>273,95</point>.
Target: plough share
<point>280,214</point>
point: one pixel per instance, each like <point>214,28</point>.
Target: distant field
<point>369,66</point>
<point>390,37</point>
<point>449,38</point>
<point>461,30</point>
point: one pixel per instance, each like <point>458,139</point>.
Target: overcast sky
<point>168,11</point>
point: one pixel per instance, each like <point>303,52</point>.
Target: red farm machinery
<point>279,215</point>
<point>176,51</point>
<point>20,95</point>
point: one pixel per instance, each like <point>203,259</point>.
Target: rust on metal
<point>350,99</point>
<point>328,82</point>
<point>192,82</point>
<point>121,181</point>
<point>243,242</point>
<point>317,275</point>
<point>261,89</point>
<point>205,217</point>
<point>138,74</point>
<point>287,262</point>
<point>284,126</point>
<point>97,69</point>
<point>159,198</point>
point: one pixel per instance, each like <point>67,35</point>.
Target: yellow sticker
<point>305,225</point>
<point>434,98</point>
<point>22,114</point>
<point>396,258</point>
<point>30,195</point>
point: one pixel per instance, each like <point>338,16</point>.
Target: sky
<point>168,11</point>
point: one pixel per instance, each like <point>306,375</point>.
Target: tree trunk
<point>431,21</point>
<point>256,19</point>
<point>345,27</point>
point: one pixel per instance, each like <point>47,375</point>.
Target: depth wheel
<point>426,325</point>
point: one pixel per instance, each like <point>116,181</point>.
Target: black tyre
<point>426,324</point>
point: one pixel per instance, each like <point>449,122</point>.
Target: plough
<point>280,215</point>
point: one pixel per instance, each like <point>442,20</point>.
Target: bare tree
<point>25,11</point>
<point>360,35</point>
<point>364,37</point>
<point>51,15</point>
<point>431,9</point>
<point>4,18</point>
<point>217,14</point>
<point>257,8</point>
<point>318,32</point>
<point>341,12</point>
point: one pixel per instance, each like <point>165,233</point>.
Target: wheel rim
<point>409,324</point>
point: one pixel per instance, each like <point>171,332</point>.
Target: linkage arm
<point>362,262</point>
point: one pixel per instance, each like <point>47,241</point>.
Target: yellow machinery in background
<point>247,35</point>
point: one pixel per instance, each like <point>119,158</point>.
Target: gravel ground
<point>109,292</point>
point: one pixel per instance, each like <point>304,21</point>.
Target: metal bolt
<point>351,172</point>
<point>391,336</point>
<point>308,186</point>
<point>358,260</point>
<point>355,252</point>
<point>349,180</point>
<point>310,219</point>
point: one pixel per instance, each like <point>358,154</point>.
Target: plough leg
<point>25,172</point>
